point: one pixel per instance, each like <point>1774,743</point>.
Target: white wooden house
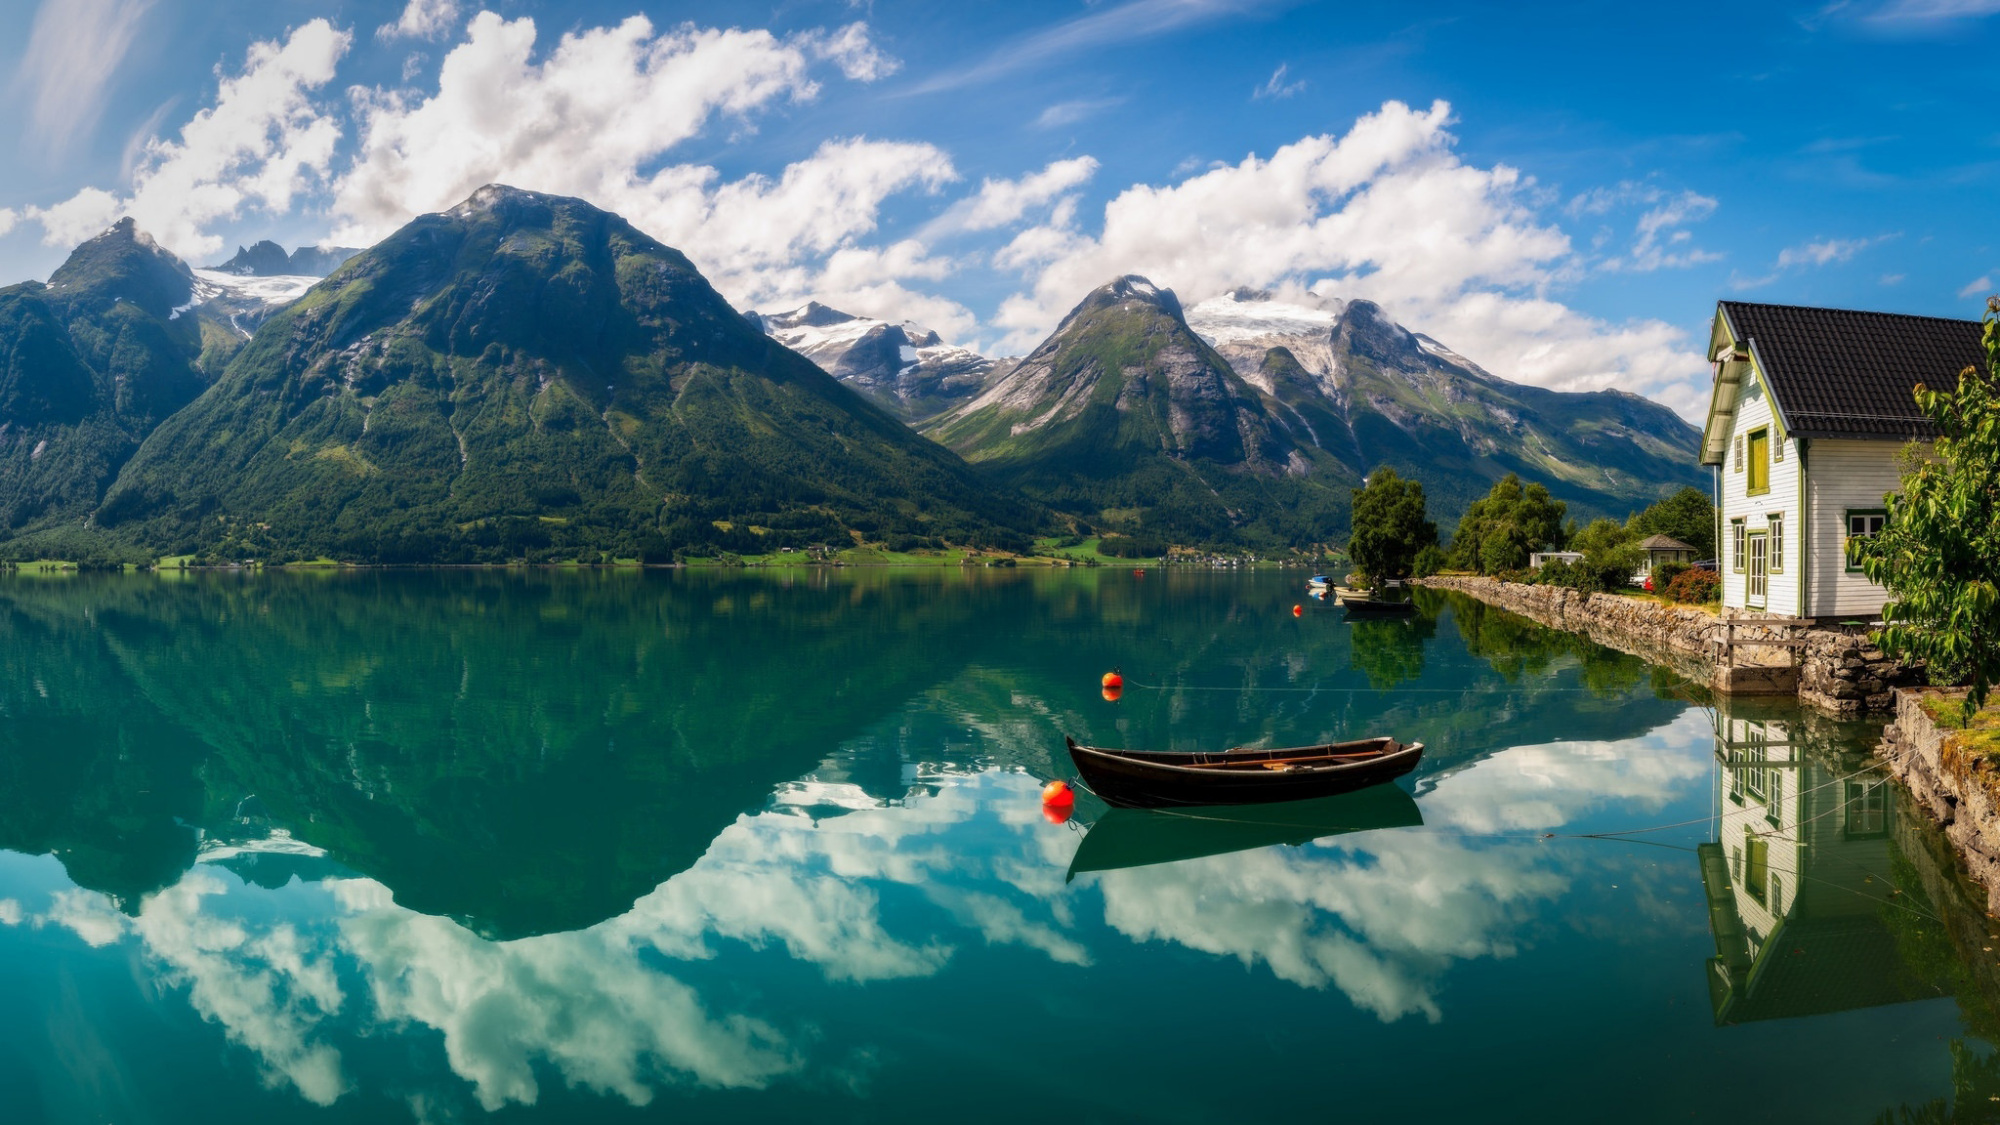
<point>1809,413</point>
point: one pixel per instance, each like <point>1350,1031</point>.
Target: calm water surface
<point>762,846</point>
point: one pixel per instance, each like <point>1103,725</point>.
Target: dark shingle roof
<point>1664,543</point>
<point>1841,373</point>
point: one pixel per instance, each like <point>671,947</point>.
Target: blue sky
<point>1560,192</point>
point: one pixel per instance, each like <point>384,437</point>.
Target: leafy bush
<point>1695,587</point>
<point>1665,573</point>
<point>1429,561</point>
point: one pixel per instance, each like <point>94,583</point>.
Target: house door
<point>1760,557</point>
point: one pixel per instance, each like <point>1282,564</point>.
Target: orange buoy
<point>1298,611</point>
<point>1111,694</point>
<point>1058,793</point>
<point>1113,679</point>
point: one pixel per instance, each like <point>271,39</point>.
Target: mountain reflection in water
<point>423,846</point>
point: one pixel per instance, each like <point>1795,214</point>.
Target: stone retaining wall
<point>1956,789</point>
<point>1838,672</point>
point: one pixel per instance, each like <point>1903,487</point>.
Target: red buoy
<point>1058,814</point>
<point>1298,611</point>
<point>1113,679</point>
<point>1111,694</point>
<point>1058,793</point>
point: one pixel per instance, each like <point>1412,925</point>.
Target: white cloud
<point>261,143</point>
<point>581,122</point>
<point>1000,203</point>
<point>1071,112</point>
<point>1977,287</point>
<point>8,217</point>
<point>1661,244</point>
<point>1382,919</point>
<point>10,912</point>
<point>595,116</point>
<point>1386,212</point>
<point>421,19</point>
<point>1812,255</point>
<point>1824,252</point>
<point>1276,86</point>
<point>585,1004</point>
<point>1658,238</point>
<point>1123,23</point>
<point>855,54</point>
<point>87,914</point>
<point>1933,11</point>
<point>74,50</point>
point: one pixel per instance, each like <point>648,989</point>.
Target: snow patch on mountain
<point>243,302</point>
<point>1241,316</point>
<point>903,366</point>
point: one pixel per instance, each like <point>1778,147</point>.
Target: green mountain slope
<point>526,375</point>
<point>1350,381</point>
<point>89,364</point>
<point>1126,418</point>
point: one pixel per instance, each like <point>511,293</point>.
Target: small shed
<point>1536,559</point>
<point>1665,549</point>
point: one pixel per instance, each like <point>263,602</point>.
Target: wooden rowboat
<point>1149,779</point>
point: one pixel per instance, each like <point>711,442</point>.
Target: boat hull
<point>1145,780</point>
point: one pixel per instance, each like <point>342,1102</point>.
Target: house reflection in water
<point>1798,877</point>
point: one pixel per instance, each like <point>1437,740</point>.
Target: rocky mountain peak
<point>124,263</point>
<point>812,314</point>
<point>265,258</point>
<point>1364,329</point>
<point>1129,289</point>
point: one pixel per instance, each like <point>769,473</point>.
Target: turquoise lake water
<point>768,846</point>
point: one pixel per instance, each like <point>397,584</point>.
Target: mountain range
<point>526,376</point>
<point>268,259</point>
<point>904,368</point>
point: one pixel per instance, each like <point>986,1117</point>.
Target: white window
<point>1861,525</point>
<point>1778,449</point>
<point>1777,524</point>
<point>1739,453</point>
<point>1737,531</point>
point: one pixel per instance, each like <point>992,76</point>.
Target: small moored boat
<point>1150,779</point>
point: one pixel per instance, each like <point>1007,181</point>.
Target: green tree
<point>1939,555</point>
<point>1500,530</point>
<point>1390,526</point>
<point>1687,515</point>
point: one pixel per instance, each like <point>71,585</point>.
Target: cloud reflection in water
<point>1381,917</point>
